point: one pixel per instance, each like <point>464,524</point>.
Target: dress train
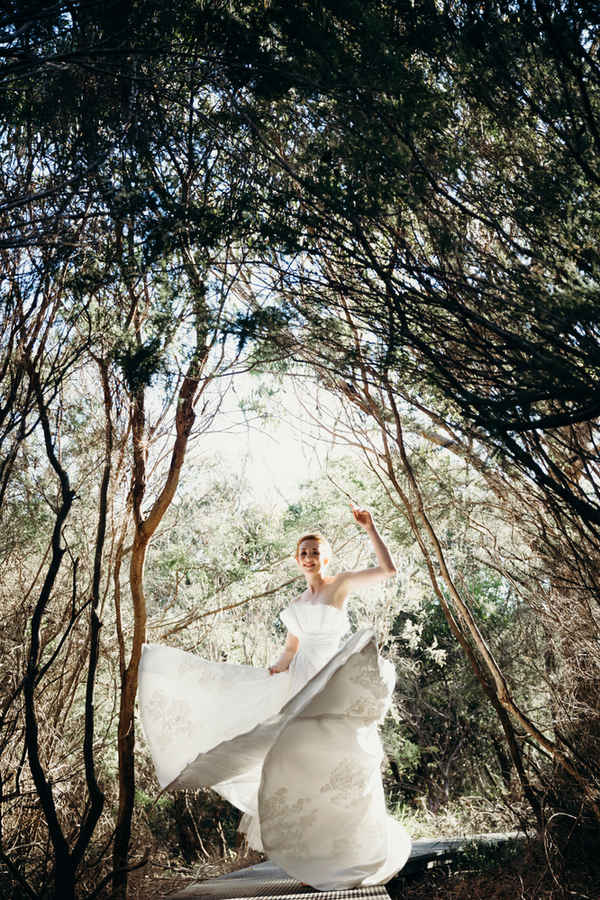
<point>298,752</point>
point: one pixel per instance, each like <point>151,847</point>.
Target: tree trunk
<point>144,529</point>
<point>126,730</point>
<point>64,879</point>
<point>64,872</point>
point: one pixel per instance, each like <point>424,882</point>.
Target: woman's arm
<point>289,651</point>
<point>385,567</point>
<point>364,518</point>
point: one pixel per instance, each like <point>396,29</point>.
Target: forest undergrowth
<point>168,872</point>
<point>527,870</point>
<point>530,868</point>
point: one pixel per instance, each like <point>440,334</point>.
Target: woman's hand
<point>283,663</point>
<point>289,651</point>
<point>278,667</point>
<point>363,517</point>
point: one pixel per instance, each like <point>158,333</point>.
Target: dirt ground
<point>529,876</point>
<point>157,881</point>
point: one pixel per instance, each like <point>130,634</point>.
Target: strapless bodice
<point>318,627</point>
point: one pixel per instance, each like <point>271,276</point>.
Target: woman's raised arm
<point>364,518</point>
<point>385,565</point>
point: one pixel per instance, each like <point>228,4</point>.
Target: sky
<point>274,454</point>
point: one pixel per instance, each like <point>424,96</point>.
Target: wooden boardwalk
<point>269,881</point>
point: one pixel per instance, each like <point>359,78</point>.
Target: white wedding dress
<point>297,752</point>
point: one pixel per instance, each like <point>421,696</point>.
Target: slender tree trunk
<point>96,795</point>
<point>460,619</point>
<point>461,638</point>
<point>498,691</point>
<point>64,872</point>
<point>126,729</point>
<point>144,529</point>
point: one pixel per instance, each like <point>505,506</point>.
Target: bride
<point>295,747</point>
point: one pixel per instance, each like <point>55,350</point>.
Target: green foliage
<point>140,362</point>
<point>448,741</point>
<point>482,856</point>
<point>405,755</point>
<point>257,324</point>
<point>291,178</point>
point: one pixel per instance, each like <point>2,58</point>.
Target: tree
<point>422,176</point>
<point>116,198</point>
<point>444,207</point>
<point>438,198</point>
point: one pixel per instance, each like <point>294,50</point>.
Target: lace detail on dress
<point>279,806</point>
<point>365,672</point>
<point>367,708</point>
<point>173,719</point>
<point>347,782</point>
<point>288,821</point>
<point>374,699</point>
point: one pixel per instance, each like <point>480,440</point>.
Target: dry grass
<point>524,871</point>
<point>463,816</point>
<point>529,875</point>
<point>156,881</point>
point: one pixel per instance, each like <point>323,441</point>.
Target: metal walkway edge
<point>268,881</point>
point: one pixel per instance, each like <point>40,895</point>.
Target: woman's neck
<point>314,583</point>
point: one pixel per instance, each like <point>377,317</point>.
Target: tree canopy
<point>395,200</point>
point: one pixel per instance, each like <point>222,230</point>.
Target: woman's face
<point>309,557</point>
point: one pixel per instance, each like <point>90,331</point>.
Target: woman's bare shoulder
<point>339,590</point>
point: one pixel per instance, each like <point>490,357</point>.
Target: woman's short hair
<point>315,536</point>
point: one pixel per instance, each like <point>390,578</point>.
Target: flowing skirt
<point>307,772</point>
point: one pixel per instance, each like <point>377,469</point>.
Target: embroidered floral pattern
<point>364,671</point>
<point>287,822</point>
<point>316,796</point>
<point>347,782</point>
<point>278,805</point>
<point>172,718</point>
<point>368,708</point>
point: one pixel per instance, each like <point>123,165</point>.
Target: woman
<point>296,747</point>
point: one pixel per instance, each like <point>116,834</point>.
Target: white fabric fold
<point>297,752</point>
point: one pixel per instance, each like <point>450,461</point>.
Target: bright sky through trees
<point>274,453</point>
